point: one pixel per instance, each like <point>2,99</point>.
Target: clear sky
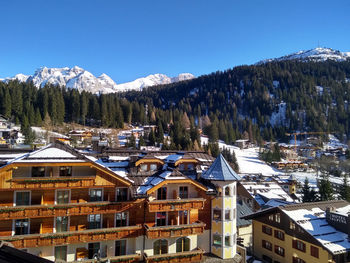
<point>130,39</point>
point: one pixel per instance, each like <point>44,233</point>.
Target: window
<point>182,244</point>
<point>279,251</point>
<point>279,234</point>
<point>227,214</point>
<point>217,214</point>
<point>153,167</point>
<point>161,193</point>
<point>160,247</point>
<point>94,221</point>
<point>217,240</point>
<point>65,171</point>
<point>298,260</point>
<point>182,167</point>
<point>61,253</point>
<point>314,251</point>
<point>267,230</point>
<point>234,190</point>
<point>271,217</point>
<point>227,241</point>
<point>120,247</point>
<point>297,244</point>
<point>38,171</point>
<point>183,192</point>
<point>161,219</point>
<point>227,191</point>
<point>21,227</point>
<point>278,218</point>
<point>62,197</point>
<point>183,217</point>
<point>144,167</point>
<point>61,224</point>
<point>22,198</point>
<point>267,245</point>
<point>234,213</point>
<point>190,166</point>
<point>93,250</point>
<point>95,195</point>
<point>122,194</point>
<point>121,219</point>
<point>291,225</point>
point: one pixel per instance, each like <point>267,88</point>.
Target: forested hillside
<point>258,102</point>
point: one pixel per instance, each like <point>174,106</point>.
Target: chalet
<point>123,206</point>
<point>310,232</point>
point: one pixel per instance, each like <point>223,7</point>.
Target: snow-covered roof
<point>315,223</point>
<point>220,170</point>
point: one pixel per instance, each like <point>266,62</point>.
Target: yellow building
<point>223,209</point>
<point>303,233</point>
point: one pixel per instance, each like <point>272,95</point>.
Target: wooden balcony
<point>125,259</point>
<point>71,237</point>
<point>174,230</point>
<point>175,204</point>
<point>37,211</point>
<point>51,182</point>
<point>188,256</point>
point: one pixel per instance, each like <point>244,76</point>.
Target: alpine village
<point>250,164</point>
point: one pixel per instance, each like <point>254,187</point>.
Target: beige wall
<point>259,251</point>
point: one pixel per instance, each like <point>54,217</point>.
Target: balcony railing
<point>36,211</point>
<point>175,230</point>
<point>175,204</point>
<point>188,256</point>
<point>51,182</point>
<point>124,259</point>
<point>70,237</point>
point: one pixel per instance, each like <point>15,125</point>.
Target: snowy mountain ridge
<point>318,54</point>
<point>83,80</point>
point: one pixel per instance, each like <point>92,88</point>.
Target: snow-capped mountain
<point>80,79</point>
<point>152,80</point>
<point>317,54</point>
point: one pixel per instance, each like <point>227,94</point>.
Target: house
<point>122,206</point>
<point>259,192</point>
<point>244,227</point>
<point>310,232</point>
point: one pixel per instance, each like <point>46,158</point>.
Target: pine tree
<point>306,191</point>
<point>325,189</point>
<point>345,189</point>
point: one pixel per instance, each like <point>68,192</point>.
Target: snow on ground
<point>248,161</point>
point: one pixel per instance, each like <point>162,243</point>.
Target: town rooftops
<point>220,170</point>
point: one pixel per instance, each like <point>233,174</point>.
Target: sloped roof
<point>242,210</point>
<point>220,170</point>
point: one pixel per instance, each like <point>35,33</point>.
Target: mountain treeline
<point>242,102</point>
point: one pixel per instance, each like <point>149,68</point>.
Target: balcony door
<point>183,217</point>
<point>120,248</point>
<point>62,196</point>
<point>160,247</point>
<point>94,221</point>
<point>94,250</point>
<point>161,219</point>
<point>61,224</point>
<point>22,198</point>
<point>61,253</point>
<point>162,193</point>
<point>182,244</point>
<point>21,227</point>
<point>183,192</point>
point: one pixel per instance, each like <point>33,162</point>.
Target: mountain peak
<point>317,54</point>
<point>83,80</point>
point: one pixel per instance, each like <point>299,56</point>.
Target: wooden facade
<point>32,205</point>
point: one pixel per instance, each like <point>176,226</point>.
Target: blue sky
<point>131,39</point>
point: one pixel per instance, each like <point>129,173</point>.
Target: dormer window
<point>153,167</point>
<point>144,167</point>
<point>182,167</point>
